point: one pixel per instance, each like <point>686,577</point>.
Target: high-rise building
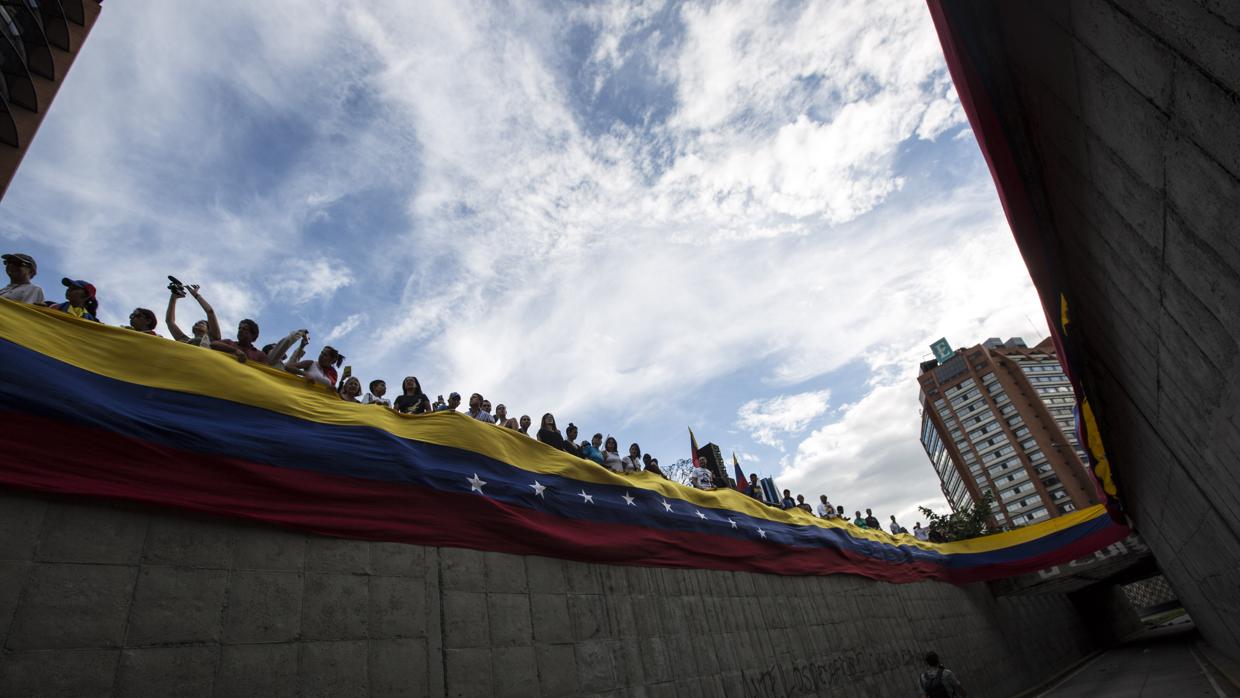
<point>999,417</point>
<point>38,42</point>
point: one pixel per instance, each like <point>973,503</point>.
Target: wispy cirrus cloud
<point>767,421</point>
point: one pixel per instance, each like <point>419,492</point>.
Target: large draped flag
<point>104,412</point>
<point>1044,255</point>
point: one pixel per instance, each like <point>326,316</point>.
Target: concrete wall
<point>1131,111</point>
<point>99,599</point>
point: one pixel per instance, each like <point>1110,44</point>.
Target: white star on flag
<point>701,515</point>
<point>475,483</point>
<point>586,498</point>
<point>538,488</point>
<point>762,533</point>
<point>628,499</point>
<point>666,505</point>
<point>732,522</point>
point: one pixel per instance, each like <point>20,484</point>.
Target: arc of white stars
<point>629,499</point>
<point>586,498</point>
<point>475,483</point>
<point>538,488</point>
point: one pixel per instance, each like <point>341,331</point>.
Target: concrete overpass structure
<point>1110,126</point>
<point>1111,130</point>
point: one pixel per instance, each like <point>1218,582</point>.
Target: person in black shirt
<point>549,434</point>
<point>570,440</point>
<point>413,400</point>
<point>871,521</point>
<point>652,466</point>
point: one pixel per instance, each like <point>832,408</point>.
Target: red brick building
<point>999,417</point>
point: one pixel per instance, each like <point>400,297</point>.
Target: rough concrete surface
<point>100,599</point>
<point>1123,115</point>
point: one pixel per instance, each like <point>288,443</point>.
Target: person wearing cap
<point>21,268</point>
<point>80,299</point>
<point>142,320</point>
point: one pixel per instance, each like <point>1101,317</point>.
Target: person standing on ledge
<point>21,268</point>
<point>939,681</point>
<point>871,521</point>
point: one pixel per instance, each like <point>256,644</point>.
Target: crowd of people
<point>328,369</point>
<point>824,510</point>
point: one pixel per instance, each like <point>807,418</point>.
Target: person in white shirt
<point>921,533</point>
<point>611,455</point>
<point>700,477</point>
<point>378,389</point>
<point>825,510</point>
<point>896,528</point>
<point>21,268</point>
<point>632,463</point>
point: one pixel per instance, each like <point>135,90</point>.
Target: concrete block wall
<point>1131,108</point>
<point>107,600</point>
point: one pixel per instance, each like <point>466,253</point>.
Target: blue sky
<point>749,218</point>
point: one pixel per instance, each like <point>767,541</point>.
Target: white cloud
<point>297,281</point>
<point>345,327</point>
<point>768,420</point>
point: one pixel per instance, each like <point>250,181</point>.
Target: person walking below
<point>938,681</point>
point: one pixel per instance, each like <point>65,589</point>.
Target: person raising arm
<point>322,370</point>
<point>204,331</point>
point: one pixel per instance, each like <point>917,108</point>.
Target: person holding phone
<point>203,331</point>
<point>323,369</point>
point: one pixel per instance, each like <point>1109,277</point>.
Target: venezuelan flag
<point>98,411</point>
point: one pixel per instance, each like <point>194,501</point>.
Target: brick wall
<point>100,599</point>
<point>1131,111</point>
